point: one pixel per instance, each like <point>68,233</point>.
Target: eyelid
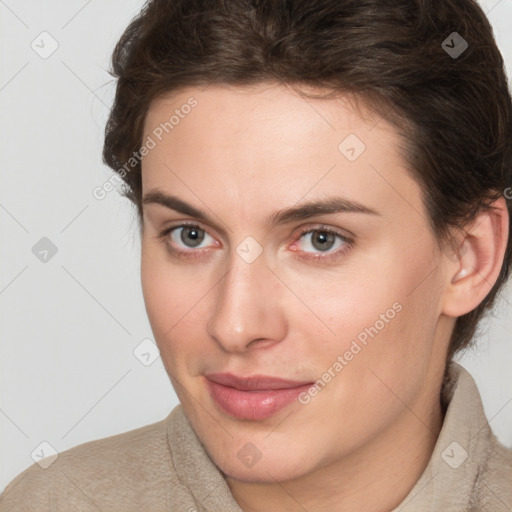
<point>343,233</point>
<point>159,213</point>
<point>186,223</point>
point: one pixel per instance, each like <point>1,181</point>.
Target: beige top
<point>163,467</point>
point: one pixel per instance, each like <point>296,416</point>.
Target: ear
<point>479,257</point>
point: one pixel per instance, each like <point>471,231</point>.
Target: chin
<point>265,470</point>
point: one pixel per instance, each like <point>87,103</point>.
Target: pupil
<point>323,241</point>
<point>192,236</point>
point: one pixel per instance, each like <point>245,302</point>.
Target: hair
<point>454,112</point>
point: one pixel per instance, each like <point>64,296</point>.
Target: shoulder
<point>129,468</point>
<point>493,486</point>
<point>489,466</point>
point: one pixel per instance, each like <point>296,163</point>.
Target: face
<point>290,277</point>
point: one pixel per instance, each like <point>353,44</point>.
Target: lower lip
<point>253,405</point>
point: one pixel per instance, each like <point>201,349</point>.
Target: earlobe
<point>478,260</point>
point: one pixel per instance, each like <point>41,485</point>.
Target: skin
<point>241,155</point>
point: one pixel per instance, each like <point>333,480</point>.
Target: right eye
<point>187,239</point>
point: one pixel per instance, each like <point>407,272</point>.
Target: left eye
<point>190,237</point>
<point>321,240</point>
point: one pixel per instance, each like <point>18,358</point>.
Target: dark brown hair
<point>399,56</point>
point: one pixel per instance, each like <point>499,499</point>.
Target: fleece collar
<point>448,481</point>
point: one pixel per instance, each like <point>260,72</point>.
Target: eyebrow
<point>303,211</point>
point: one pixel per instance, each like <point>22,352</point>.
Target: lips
<point>253,398</point>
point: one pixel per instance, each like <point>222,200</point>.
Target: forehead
<point>268,145</point>
<point>255,108</point>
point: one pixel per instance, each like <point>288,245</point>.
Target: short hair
<point>406,59</point>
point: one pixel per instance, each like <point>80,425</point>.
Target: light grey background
<point>70,325</point>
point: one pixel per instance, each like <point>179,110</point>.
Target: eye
<point>190,237</point>
<point>322,243</point>
<point>319,240</point>
<point>187,240</point>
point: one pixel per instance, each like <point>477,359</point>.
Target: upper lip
<point>254,382</point>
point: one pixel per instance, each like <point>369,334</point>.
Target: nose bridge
<point>246,306</point>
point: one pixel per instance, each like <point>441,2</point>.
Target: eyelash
<point>198,253</point>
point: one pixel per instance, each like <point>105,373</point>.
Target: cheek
<point>377,362</point>
<point>336,308</point>
<point>174,300</point>
<point>376,323</point>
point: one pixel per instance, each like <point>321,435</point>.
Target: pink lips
<point>253,398</point>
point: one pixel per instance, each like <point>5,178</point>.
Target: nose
<point>248,311</point>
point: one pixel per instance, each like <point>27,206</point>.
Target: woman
<point>320,188</point>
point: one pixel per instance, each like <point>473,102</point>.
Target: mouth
<point>253,398</point>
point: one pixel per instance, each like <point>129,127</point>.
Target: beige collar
<point>448,481</point>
